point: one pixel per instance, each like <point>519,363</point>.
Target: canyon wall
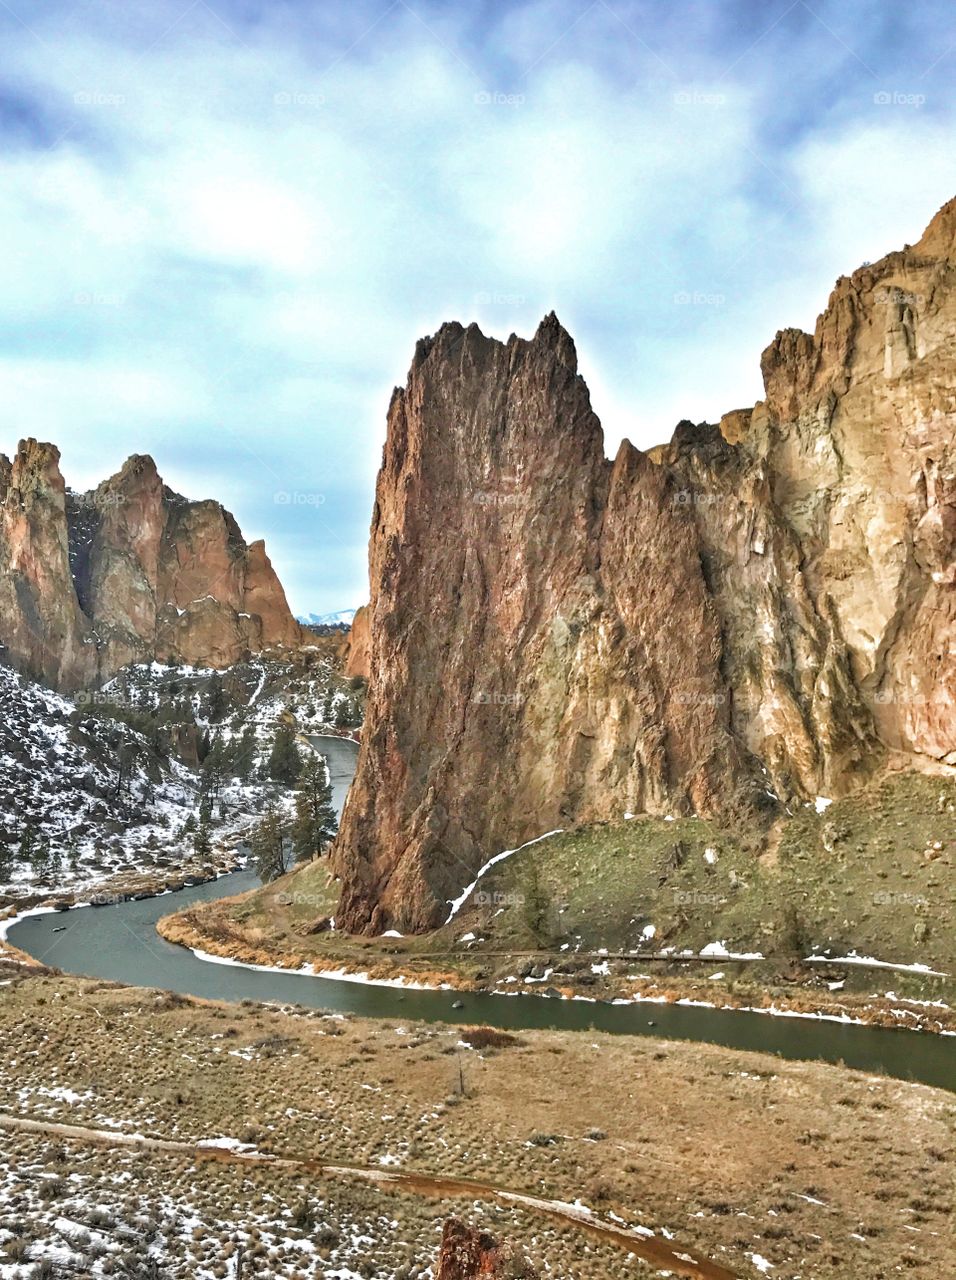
<point>752,615</point>
<point>128,572</point>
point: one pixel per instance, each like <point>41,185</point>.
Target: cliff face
<point>754,613</point>
<point>127,572</point>
<point>355,650</point>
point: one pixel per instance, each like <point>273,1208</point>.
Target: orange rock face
<point>751,615</point>
<point>467,1254</point>
<point>356,648</point>
<point>127,572</point>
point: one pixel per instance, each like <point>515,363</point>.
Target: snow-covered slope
<point>113,780</point>
<point>344,617</point>
<point>90,795</point>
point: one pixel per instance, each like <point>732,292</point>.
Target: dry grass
<point>729,1151</point>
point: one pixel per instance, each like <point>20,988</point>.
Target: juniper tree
<point>268,841</point>
<point>285,763</point>
<point>245,754</point>
<point>202,845</point>
<point>315,821</point>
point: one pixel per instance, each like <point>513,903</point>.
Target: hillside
<point>117,780</point>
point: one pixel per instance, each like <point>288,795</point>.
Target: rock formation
<point>754,614</point>
<point>355,651</point>
<point>127,572</point>
<point>468,1254</point>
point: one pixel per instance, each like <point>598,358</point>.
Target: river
<point>120,942</point>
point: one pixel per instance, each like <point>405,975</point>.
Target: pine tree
<point>285,763</point>
<point>343,713</point>
<point>315,821</point>
<point>328,706</point>
<point>268,840</point>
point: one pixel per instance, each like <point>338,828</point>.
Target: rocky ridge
<point>756,614</point>
<point>128,572</point>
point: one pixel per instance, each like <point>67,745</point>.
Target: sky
<point>224,223</point>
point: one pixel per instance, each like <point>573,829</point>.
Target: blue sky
<point>225,222</point>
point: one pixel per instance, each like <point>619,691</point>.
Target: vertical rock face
<point>127,572</point>
<point>43,630</point>
<point>756,612</point>
<point>356,647</point>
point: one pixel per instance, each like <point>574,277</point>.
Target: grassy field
<point>872,874</point>
<point>818,1171</point>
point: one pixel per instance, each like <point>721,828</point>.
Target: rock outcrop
<point>756,613</point>
<point>127,572</point>
<point>355,653</point>
<point>468,1254</point>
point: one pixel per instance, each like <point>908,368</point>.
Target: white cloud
<point>230,251</point>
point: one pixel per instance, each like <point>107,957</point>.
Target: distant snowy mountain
<point>344,616</point>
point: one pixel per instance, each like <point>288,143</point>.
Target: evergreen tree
<point>6,862</point>
<point>328,706</point>
<point>216,698</point>
<point>315,821</point>
<point>343,713</point>
<point>245,754</point>
<point>202,845</point>
<point>268,841</point>
<point>213,767</point>
<point>40,855</point>
<point>285,763</point>
<point>27,842</point>
<point>54,861</point>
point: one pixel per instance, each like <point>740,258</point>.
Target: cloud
<point>226,225</point>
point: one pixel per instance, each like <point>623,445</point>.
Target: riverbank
<point>811,990</point>
<point>126,886</point>
<point>842,1173</point>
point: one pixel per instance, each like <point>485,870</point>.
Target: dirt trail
<point>662,1255</point>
